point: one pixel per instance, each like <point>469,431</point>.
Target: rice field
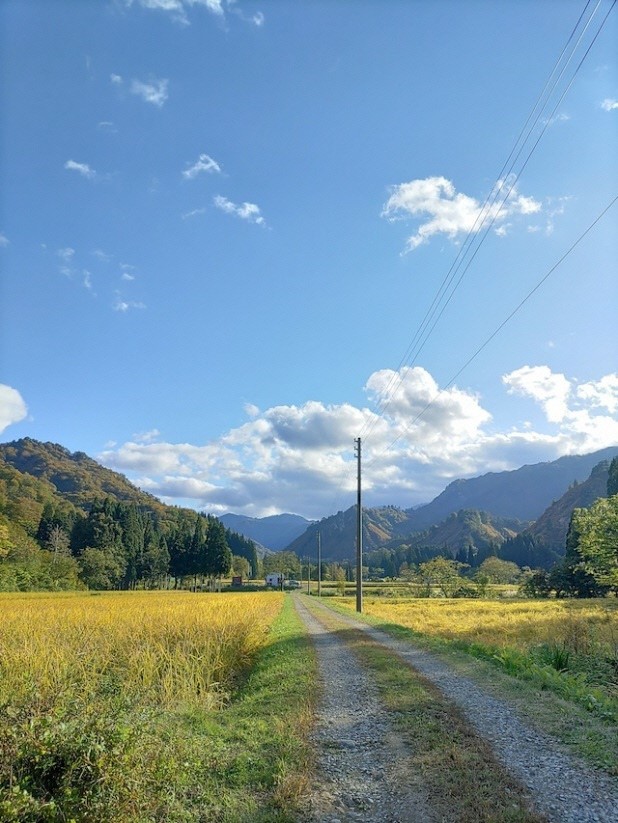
<point>160,648</point>
<point>105,697</point>
<point>519,624</point>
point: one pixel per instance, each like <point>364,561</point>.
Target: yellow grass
<point>577,624</point>
<point>159,648</point>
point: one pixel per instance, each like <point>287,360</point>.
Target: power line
<point>499,328</point>
<point>492,207</point>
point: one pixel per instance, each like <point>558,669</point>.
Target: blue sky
<point>223,224</point>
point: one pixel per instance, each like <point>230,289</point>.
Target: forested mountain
<point>523,494</point>
<point>274,532</point>
<point>338,533</point>
<point>543,543</point>
<point>75,476</point>
<point>66,520</point>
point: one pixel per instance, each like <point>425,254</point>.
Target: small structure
<point>237,581</point>
<point>274,579</point>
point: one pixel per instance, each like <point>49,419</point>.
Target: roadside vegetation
<point>152,706</point>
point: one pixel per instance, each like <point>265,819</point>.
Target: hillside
<point>544,542</point>
<point>523,494</point>
<point>76,477</point>
<point>274,532</point>
<point>338,532</point>
<point>468,529</point>
<point>67,521</point>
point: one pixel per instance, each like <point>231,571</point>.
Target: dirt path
<point>359,752</point>
<point>358,748</point>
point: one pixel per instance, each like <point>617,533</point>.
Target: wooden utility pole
<point>359,531</point>
<point>319,565</point>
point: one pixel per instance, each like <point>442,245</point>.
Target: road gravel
<point>358,749</point>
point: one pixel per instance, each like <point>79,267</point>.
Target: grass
<point>450,763</point>
<point>152,707</point>
<point>555,660</point>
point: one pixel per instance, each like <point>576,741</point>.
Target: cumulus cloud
<point>154,92</point>
<point>245,211</point>
<point>204,163</point>
<point>550,390</point>
<point>453,213</point>
<point>12,406</point>
<point>609,104</point>
<point>416,439</point>
<point>4,240</point>
<point>82,168</point>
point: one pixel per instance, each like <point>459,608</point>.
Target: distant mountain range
<point>477,513</point>
<point>274,532</point>
<point>532,504</point>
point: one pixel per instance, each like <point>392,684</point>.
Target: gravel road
<point>358,747</point>
<point>360,774</point>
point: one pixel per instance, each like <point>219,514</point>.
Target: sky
<point>236,236</point>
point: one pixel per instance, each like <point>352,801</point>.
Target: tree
<point>241,566</point>
<point>612,480</point>
<point>500,571</point>
<point>219,556</point>
<point>443,573</point>
<point>598,540</point>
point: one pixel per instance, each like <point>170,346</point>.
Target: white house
<point>274,579</point>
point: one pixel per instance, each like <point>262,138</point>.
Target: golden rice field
<point>506,623</point>
<point>155,647</point>
<point>111,705</point>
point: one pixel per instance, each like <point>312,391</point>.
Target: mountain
<point>338,533</point>
<point>274,532</point>
<point>544,542</point>
<point>524,493</point>
<point>65,520</point>
<point>468,529</point>
<point>76,477</point>
<point>485,510</point>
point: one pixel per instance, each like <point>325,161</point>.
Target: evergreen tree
<point>612,480</point>
<point>219,556</point>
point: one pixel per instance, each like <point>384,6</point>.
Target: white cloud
<point>559,118</point>
<point>602,393</point>
<point>125,305</point>
<point>609,104</point>
<point>246,211</point>
<point>204,163</point>
<point>116,79</point>
<point>12,407</point>
<point>193,213</point>
<point>452,213</point>
<point>300,457</point>
<point>4,240</point>
<point>154,92</point>
<point>147,437</point>
<point>179,9</point>
<point>82,168</point>
<point>550,390</point>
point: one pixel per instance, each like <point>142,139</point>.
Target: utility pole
<point>319,565</point>
<point>359,531</point>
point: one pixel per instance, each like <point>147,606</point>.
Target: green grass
<point>121,762</point>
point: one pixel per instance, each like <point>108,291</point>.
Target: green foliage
<point>443,573</point>
<point>612,479</point>
<point>500,571</point>
<point>597,528</point>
